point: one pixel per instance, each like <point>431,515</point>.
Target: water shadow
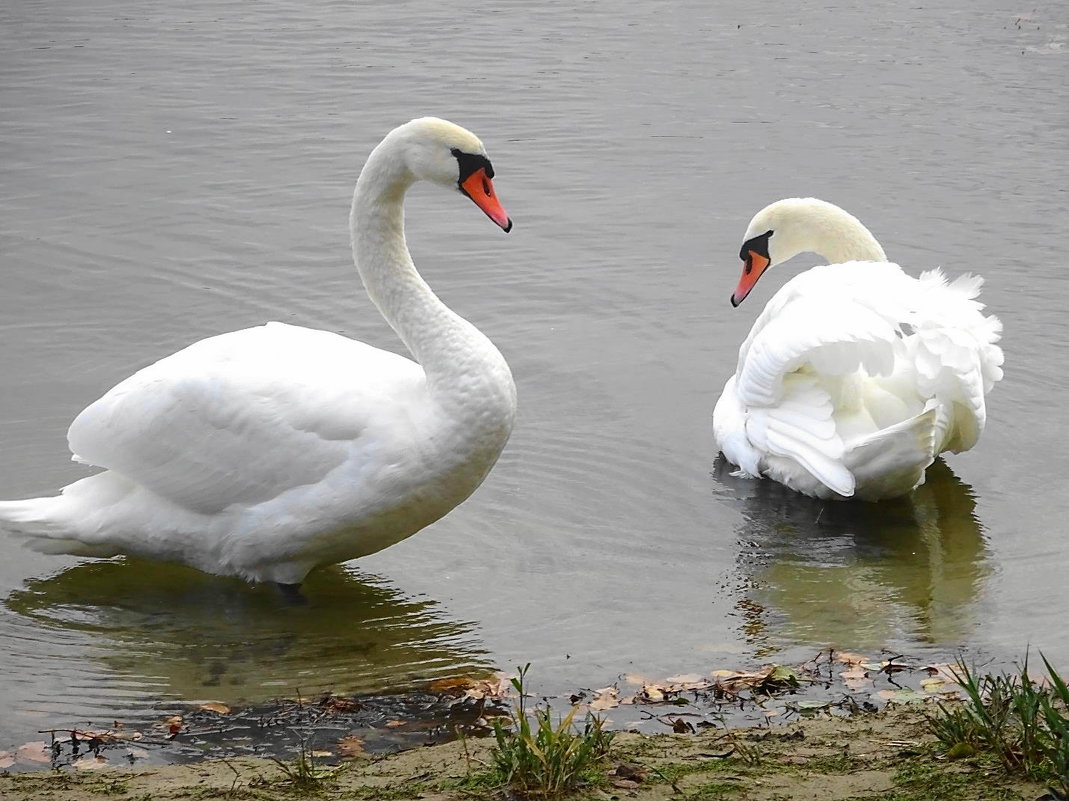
<point>180,634</point>
<point>857,575</point>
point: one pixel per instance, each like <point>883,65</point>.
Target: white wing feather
<point>857,372</point>
<point>206,429</point>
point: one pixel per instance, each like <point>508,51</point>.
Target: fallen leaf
<point>90,762</point>
<point>627,770</point>
<point>393,724</point>
<point>449,685</point>
<point>215,706</point>
<point>335,704</point>
<point>350,746</point>
<point>605,698</point>
<point>961,751</point>
<point>848,658</point>
<point>855,678</point>
<point>904,696</point>
<point>496,688</point>
<point>680,726</point>
<point>651,693</point>
<point>33,752</point>
<point>685,679</point>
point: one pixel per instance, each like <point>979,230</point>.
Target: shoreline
<point>886,754</point>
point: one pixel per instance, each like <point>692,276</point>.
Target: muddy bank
<point>887,755</point>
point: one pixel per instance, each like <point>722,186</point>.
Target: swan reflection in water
<point>186,635</point>
<point>855,575</point>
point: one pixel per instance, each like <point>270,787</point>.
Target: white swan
<point>265,452</point>
<point>856,375</point>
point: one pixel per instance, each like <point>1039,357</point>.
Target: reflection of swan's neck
<point>816,226</point>
<point>450,349</point>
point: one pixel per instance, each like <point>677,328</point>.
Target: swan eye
<point>471,163</point>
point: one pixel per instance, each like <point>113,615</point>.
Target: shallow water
<point>169,173</point>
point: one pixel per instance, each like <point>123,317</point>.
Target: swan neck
<point>838,237</point>
<point>440,340</point>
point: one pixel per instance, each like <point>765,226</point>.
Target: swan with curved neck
<point>784,229</point>
<point>265,452</point>
<point>856,375</point>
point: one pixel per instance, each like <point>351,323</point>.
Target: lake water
<point>171,171</point>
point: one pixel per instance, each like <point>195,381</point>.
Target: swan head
<point>782,230</point>
<point>443,153</point>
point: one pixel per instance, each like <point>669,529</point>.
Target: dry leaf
<point>651,693</point>
<point>335,704</point>
<point>685,679</point>
<point>33,752</point>
<point>629,771</point>
<point>351,746</point>
<point>904,696</point>
<point>393,724</point>
<point>680,726</point>
<point>215,706</point>
<point>605,698</point>
<point>848,658</point>
<point>449,685</point>
<point>856,678</point>
<point>88,762</point>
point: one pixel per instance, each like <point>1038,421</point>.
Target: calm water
<point>169,173</point>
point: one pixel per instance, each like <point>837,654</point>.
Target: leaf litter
<point>335,728</point>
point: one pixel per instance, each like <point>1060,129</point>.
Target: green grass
<point>302,773</point>
<point>537,758</point>
<point>1023,723</point>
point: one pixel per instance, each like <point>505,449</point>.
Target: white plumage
<point>265,452</point>
<point>856,375</point>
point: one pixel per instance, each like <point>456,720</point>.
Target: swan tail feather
<point>891,462</point>
<point>957,356</point>
<point>35,524</point>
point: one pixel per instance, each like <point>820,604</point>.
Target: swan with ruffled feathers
<point>266,452</point>
<point>856,375</point>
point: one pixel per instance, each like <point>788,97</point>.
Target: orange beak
<point>480,189</point>
<point>756,264</point>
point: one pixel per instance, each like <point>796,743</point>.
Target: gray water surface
<point>168,173</point>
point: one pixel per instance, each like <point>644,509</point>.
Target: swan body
<point>856,375</point>
<point>266,452</point>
